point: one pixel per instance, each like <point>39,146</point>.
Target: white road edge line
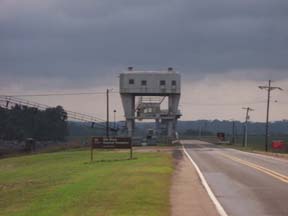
<point>219,207</point>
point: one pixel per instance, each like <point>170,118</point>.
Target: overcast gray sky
<point>79,45</point>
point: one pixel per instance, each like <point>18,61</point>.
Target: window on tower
<point>143,82</point>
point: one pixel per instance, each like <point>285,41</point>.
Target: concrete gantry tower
<point>153,84</point>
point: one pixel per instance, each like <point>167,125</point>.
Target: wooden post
<point>91,156</point>
<point>131,152</point>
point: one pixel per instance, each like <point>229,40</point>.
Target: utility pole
<point>248,109</point>
<point>107,106</point>
<point>269,88</point>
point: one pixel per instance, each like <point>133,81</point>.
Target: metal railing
<point>8,102</point>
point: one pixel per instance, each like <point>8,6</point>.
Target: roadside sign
<point>221,136</point>
<point>278,144</point>
<point>111,143</point>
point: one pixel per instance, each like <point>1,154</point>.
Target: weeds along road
<point>244,183</point>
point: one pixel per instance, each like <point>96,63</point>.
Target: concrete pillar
<point>157,126</point>
<point>128,102</point>
<point>170,128</point>
<point>173,102</point>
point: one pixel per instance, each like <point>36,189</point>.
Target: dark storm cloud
<point>77,40</point>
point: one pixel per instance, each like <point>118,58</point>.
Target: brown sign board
<point>111,143</point>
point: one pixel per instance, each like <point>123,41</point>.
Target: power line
<point>56,94</point>
<point>230,104</point>
<point>95,121</point>
<point>222,104</point>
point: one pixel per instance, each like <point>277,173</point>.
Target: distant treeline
<point>84,129</point>
<point>21,122</point>
<point>208,127</point>
<point>188,128</point>
<point>215,126</point>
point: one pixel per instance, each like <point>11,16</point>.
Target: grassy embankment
<point>257,144</point>
<point>66,183</point>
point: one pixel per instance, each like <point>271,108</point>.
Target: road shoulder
<point>187,195</point>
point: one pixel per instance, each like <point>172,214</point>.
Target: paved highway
<point>245,184</point>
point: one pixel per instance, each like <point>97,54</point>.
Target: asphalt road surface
<point>245,184</point>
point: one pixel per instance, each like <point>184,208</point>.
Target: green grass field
<point>255,142</point>
<point>66,183</point>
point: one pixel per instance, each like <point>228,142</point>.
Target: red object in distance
<point>278,144</point>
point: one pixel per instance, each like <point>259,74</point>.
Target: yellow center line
<point>270,172</point>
